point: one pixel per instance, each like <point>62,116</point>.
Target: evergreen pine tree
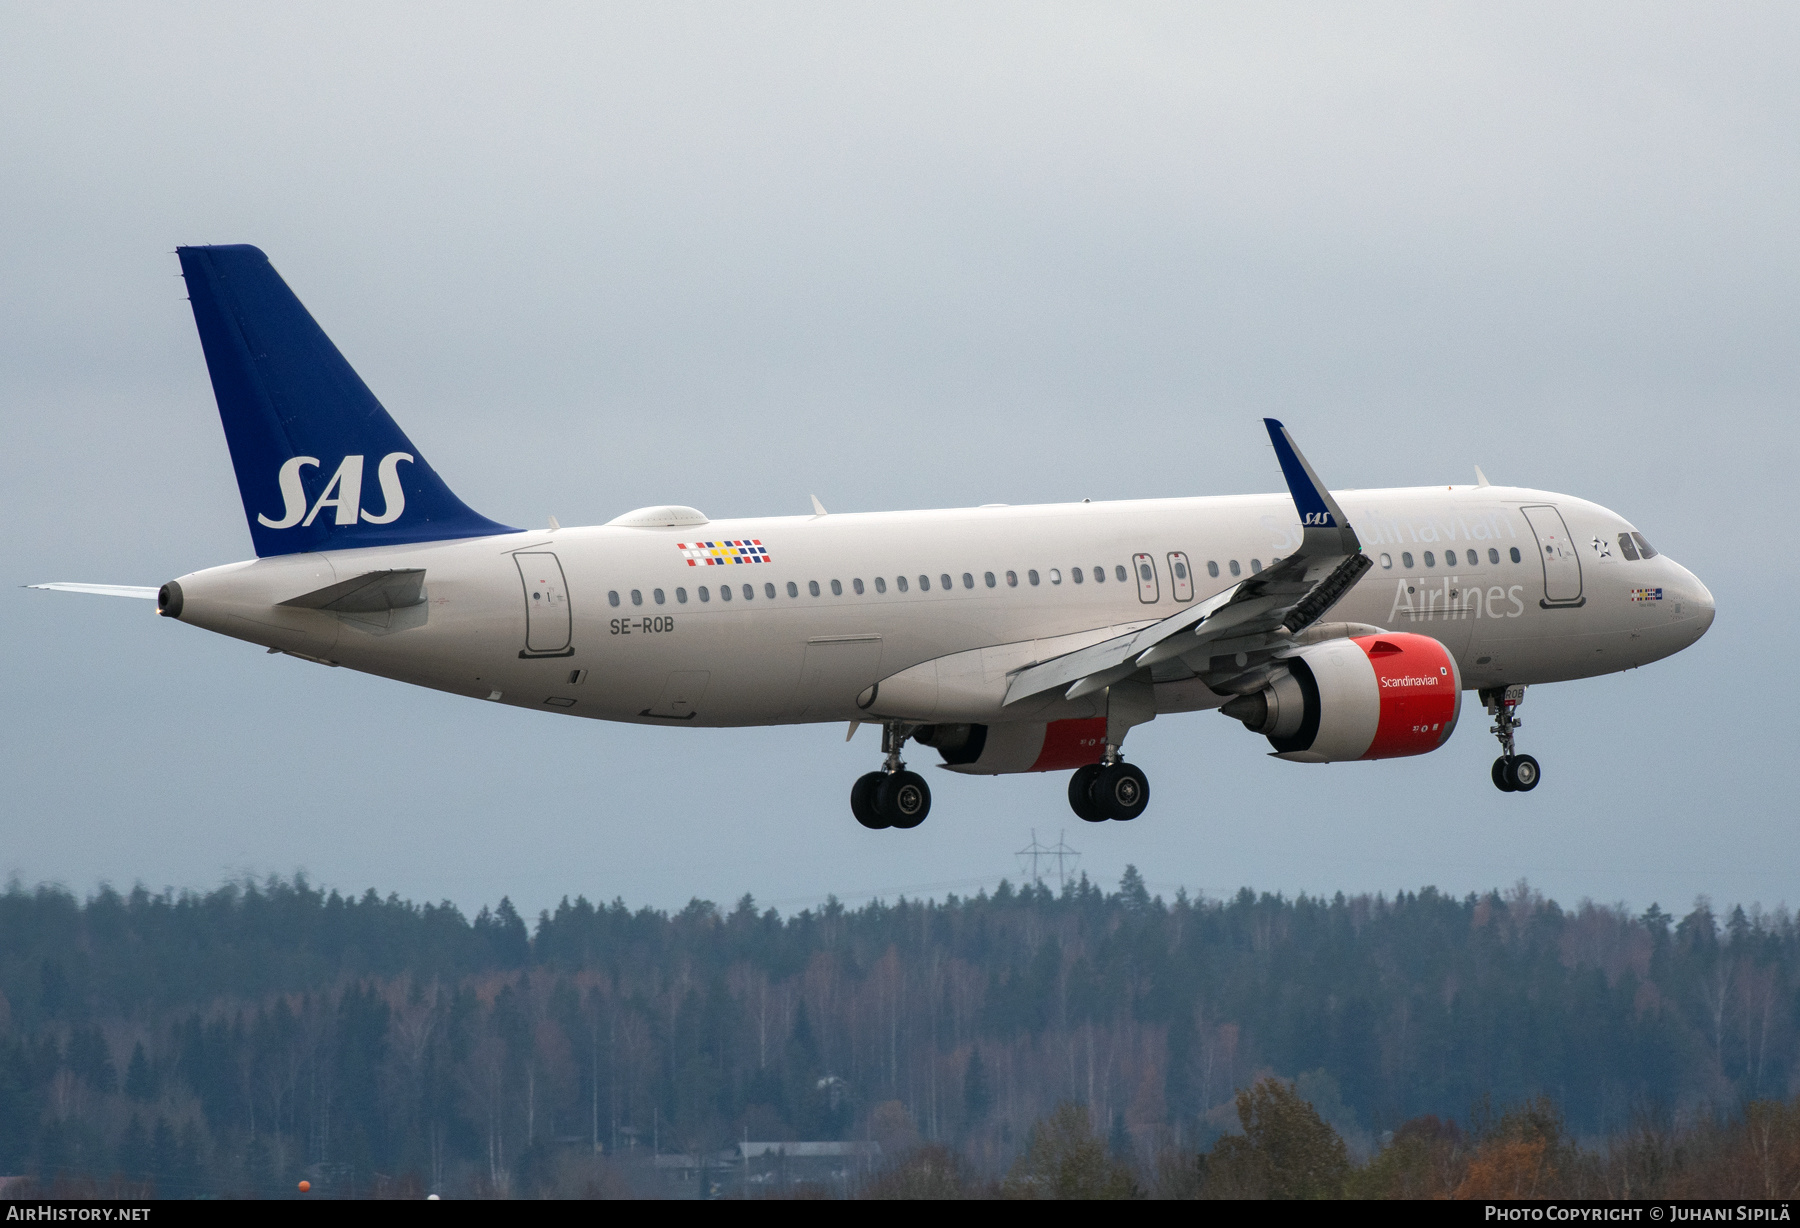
<point>975,1091</point>
<point>140,1083</point>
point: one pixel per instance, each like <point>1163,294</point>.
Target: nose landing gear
<point>892,797</point>
<point>1512,772</point>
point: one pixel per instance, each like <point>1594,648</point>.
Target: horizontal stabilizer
<point>369,593</point>
<point>102,590</point>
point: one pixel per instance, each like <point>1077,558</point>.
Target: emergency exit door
<point>547,628</point>
<point>1145,567</point>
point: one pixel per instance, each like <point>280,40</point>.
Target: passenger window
<point>944,583</point>
<point>657,596</point>
<point>857,585</point>
<point>1644,547</point>
<point>837,588</point>
<point>1627,547</point>
<point>793,589</point>
<point>900,583</point>
<point>968,580</point>
<point>1099,575</point>
<point>1055,575</point>
<point>1449,558</point>
<point>988,578</point>
<point>637,598</point>
<point>812,586</point>
<point>1077,575</point>
<point>1235,569</point>
<point>1430,561</point>
<point>1119,573</point>
<point>681,596</point>
<point>749,591</point>
<point>1012,579</point>
<point>1146,573</point>
<point>1515,555</point>
<point>880,585</point>
<point>1255,566</point>
<point>1493,555</point>
<point>1406,559</point>
<point>1212,568</point>
<point>1033,577</point>
<point>724,592</point>
<point>704,594</point>
<point>924,584</point>
<point>1387,560</point>
<point>768,591</point>
<point>612,598</point>
<point>1180,570</point>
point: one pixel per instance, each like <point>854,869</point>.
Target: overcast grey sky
<point>596,257</point>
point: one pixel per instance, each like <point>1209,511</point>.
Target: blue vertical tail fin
<point>320,464</point>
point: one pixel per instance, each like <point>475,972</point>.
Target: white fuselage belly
<point>759,660</point>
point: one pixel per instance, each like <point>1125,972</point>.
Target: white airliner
<point>1009,639</point>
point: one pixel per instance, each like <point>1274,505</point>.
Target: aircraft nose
<point>1697,604</point>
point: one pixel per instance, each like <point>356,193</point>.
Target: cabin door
<point>547,630</point>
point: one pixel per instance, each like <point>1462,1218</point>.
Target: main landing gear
<point>1111,789</point>
<point>1512,773</point>
<point>892,797</point>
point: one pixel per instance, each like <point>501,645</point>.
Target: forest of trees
<point>240,1040</point>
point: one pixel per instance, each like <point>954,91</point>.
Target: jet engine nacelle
<point>1367,697</point>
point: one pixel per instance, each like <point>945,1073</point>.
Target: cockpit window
<point>1644,547</point>
<point>1627,548</point>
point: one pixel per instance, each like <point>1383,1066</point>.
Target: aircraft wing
<point>101,590</point>
<point>1260,612</point>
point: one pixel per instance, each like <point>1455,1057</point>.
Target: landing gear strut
<point>1111,789</point>
<point>1512,772</point>
<point>892,797</point>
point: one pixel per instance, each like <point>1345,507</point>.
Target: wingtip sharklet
<point>1317,509</point>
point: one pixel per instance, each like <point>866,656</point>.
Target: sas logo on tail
<point>1313,520</point>
<point>343,494</point>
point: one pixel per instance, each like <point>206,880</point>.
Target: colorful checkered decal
<point>721,554</point>
<point>1646,594</point>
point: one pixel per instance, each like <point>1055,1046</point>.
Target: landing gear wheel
<point>1502,777</point>
<point>1120,791</point>
<point>903,799</point>
<point>862,801</point>
<point>1081,799</point>
<point>1524,773</point>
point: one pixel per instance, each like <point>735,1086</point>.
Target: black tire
<point>862,801</point>
<point>1502,777</point>
<point>1079,799</point>
<point>1524,773</point>
<point>903,799</point>
<point>1121,792</point>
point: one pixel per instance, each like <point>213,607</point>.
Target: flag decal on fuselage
<point>720,554</point>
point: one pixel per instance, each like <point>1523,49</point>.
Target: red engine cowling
<point>1371,697</point>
